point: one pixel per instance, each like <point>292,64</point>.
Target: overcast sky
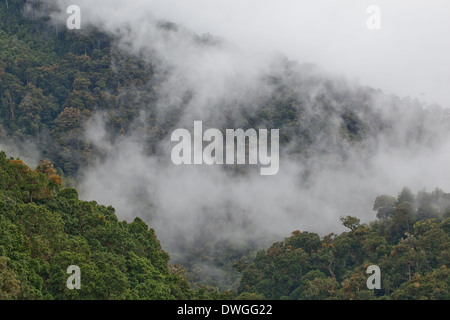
<point>408,56</point>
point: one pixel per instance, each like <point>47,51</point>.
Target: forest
<point>45,228</point>
<point>409,242</point>
<point>53,81</point>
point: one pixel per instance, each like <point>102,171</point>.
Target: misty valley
<point>309,179</point>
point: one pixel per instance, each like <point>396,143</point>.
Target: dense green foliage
<point>52,81</point>
<point>411,245</point>
<point>41,237</point>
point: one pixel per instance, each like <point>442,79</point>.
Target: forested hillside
<point>45,228</point>
<point>42,234</point>
<point>410,243</point>
<point>52,80</point>
<point>56,83</point>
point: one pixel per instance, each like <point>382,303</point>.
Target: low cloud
<point>184,203</point>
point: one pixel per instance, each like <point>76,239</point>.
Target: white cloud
<point>408,56</point>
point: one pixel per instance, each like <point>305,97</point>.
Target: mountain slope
<point>101,104</point>
<point>42,234</point>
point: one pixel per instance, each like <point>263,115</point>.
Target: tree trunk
<point>11,108</point>
<point>331,263</point>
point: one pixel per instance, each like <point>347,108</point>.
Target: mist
<point>407,57</point>
<point>26,150</point>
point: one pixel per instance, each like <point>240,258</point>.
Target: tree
<point>350,222</point>
<point>406,195</point>
<point>409,253</point>
<point>9,284</point>
<point>54,180</point>
<point>402,221</point>
<point>385,206</point>
<point>31,183</point>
